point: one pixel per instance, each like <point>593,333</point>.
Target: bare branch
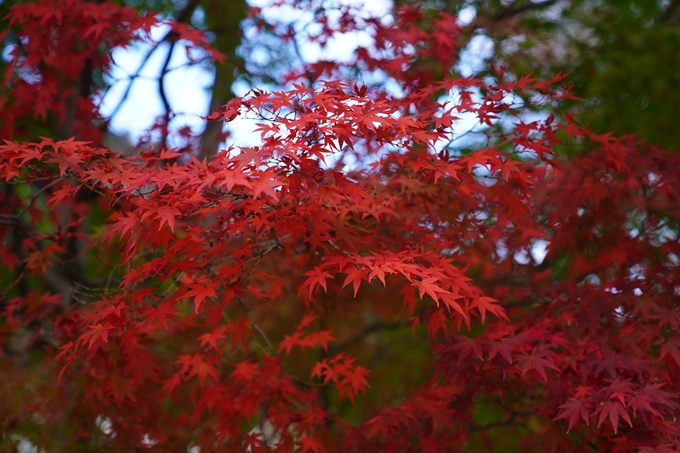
<point>35,196</point>
<point>516,11</point>
<point>255,325</point>
<point>369,329</point>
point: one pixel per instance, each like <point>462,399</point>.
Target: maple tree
<point>358,281</point>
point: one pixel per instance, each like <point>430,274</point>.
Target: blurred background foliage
<point>620,55</point>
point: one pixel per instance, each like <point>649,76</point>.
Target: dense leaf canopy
<point>369,277</point>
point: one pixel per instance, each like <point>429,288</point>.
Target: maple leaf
<point>60,194</point>
<point>172,383</point>
<point>484,304</point>
<point>356,380</point>
<point>211,338</point>
<point>289,341</point>
<point>245,371</point>
<point>539,361</point>
<point>466,346</point>
<point>643,399</point>
<point>265,185</point>
<point>427,286</point>
<point>573,409</point>
<point>391,419</point>
<point>613,409</point>
<point>250,223</point>
<point>438,322</point>
<point>239,332</point>
<point>98,333</point>
<point>253,442</point>
<point>316,276</point>
<point>354,276</point>
<point>322,338</point>
<point>230,179</point>
<point>161,313</point>
<point>198,365</point>
<point>319,369</point>
<point>200,292</point>
<point>671,347</point>
<point>307,320</point>
<point>501,347</point>
<point>311,444</point>
<point>30,154</point>
<point>167,214</point>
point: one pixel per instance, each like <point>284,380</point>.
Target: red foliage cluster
<point>235,290</point>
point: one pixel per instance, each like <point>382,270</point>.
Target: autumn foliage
<point>356,282</point>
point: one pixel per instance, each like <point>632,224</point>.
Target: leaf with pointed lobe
<point>539,360</point>
<point>428,286</point>
<point>466,346</point>
<point>211,338</point>
<point>613,409</point>
<point>200,292</point>
<point>316,277</point>
<point>307,320</point>
<point>501,347</point>
<point>355,380</point>
<point>172,383</point>
<point>97,334</point>
<point>311,444</point>
<point>449,300</point>
<point>318,338</point>
<point>245,371</point>
<point>438,323</point>
<point>484,304</point>
<point>573,410</point>
<point>354,276</point>
<point>671,347</point>
<point>289,341</point>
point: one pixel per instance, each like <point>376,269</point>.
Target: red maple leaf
<point>200,292</point>
<point>613,409</point>
<point>354,276</point>
<point>484,304</point>
<point>316,276</point>
<point>311,444</point>
<point>573,410</point>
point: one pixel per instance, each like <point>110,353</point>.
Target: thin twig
<point>161,90</point>
<point>183,15</point>
<point>371,328</point>
<point>255,325</point>
<point>35,196</point>
<point>298,52</point>
<point>510,12</point>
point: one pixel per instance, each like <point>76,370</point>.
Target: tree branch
<point>369,329</point>
<point>670,10</point>
<point>516,11</point>
<point>255,325</point>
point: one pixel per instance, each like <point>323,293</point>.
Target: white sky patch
<point>521,257</point>
<point>148,441</point>
<point>474,56</point>
<point>466,15</point>
<point>25,445</point>
<point>539,249</point>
